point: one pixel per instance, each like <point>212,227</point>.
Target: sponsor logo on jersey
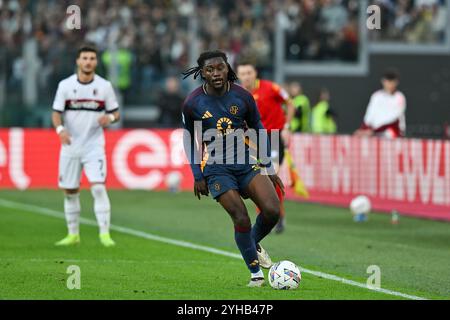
<point>85,104</point>
<point>224,126</point>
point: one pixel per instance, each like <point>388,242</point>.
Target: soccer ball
<point>360,207</point>
<point>284,275</point>
<point>173,181</point>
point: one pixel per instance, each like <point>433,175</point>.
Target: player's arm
<point>290,114</point>
<point>109,118</point>
<point>283,97</point>
<point>64,136</point>
<point>57,121</point>
<point>365,129</point>
<point>253,120</point>
<point>193,151</point>
<point>112,114</point>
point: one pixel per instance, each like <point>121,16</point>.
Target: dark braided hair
<point>196,71</point>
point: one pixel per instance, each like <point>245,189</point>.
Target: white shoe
<point>256,282</point>
<point>263,257</point>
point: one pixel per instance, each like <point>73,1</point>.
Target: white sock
<point>102,207</point>
<point>258,274</point>
<point>72,212</point>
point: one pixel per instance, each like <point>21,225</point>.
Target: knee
<point>98,191</point>
<point>272,212</point>
<point>101,199</point>
<point>71,191</point>
<point>242,220</point>
<point>72,202</point>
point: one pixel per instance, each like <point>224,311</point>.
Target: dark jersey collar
<point>85,83</point>
<point>206,92</point>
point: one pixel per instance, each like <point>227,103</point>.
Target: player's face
<point>295,89</point>
<point>215,72</point>
<point>247,75</point>
<point>390,85</point>
<point>87,62</point>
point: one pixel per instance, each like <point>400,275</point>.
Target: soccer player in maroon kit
<point>270,98</point>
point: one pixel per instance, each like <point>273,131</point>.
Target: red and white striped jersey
<point>82,104</point>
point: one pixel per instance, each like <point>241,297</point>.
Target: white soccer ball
<point>284,275</point>
<point>360,205</point>
<point>173,181</point>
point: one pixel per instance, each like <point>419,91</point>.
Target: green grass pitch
<point>413,256</point>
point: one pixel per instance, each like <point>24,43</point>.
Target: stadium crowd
<point>322,30</point>
<point>411,21</point>
<point>153,39</point>
<point>152,36</point>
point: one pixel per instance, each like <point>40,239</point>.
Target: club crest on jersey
<point>234,110</point>
<point>224,126</point>
<point>217,186</point>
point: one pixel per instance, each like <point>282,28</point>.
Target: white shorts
<point>70,168</point>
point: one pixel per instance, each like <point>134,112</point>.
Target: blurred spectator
<point>385,114</point>
<point>322,30</point>
<point>323,117</point>
<point>302,117</point>
<point>122,59</point>
<point>170,101</point>
<point>411,21</point>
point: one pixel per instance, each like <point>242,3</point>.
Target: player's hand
<point>277,182</point>
<point>104,121</point>
<point>201,188</point>
<point>64,137</point>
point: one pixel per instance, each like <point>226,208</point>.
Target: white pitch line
<point>185,244</point>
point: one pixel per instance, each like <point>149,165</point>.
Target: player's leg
<point>280,226</point>
<point>231,201</point>
<point>262,192</point>
<point>277,156</point>
<point>69,180</point>
<point>95,169</point>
